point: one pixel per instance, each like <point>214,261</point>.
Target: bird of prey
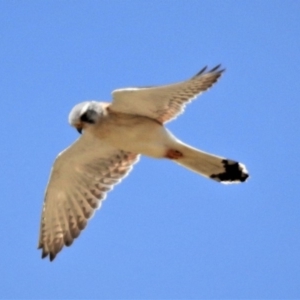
<point>113,136</point>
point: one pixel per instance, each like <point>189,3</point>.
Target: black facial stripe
<point>87,117</point>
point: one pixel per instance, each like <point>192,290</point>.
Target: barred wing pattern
<point>80,178</point>
<point>164,103</point>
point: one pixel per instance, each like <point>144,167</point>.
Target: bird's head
<point>86,114</point>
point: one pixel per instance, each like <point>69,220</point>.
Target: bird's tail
<point>214,167</point>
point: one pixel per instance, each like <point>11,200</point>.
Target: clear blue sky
<point>164,232</point>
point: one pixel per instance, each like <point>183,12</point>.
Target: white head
<point>86,114</point>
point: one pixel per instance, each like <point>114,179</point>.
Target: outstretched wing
<point>163,103</point>
<point>80,178</point>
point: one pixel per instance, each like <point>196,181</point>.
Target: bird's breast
<point>136,134</point>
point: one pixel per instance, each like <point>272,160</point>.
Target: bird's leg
<point>173,154</point>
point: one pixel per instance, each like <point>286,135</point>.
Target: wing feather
<point>164,103</point>
<point>80,178</point>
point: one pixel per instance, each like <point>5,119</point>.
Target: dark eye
<point>88,117</point>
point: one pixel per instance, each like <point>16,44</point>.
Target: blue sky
<point>164,232</point>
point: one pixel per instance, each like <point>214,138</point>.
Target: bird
<point>112,138</point>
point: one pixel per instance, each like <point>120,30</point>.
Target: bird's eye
<point>88,117</point>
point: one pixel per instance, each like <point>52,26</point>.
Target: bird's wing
<point>80,178</point>
<point>163,103</point>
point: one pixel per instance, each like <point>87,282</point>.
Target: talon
<point>173,154</point>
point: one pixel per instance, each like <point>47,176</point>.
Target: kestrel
<point>113,137</point>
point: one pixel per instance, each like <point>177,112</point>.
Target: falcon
<point>113,136</point>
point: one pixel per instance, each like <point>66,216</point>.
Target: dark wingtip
<point>234,172</point>
<point>215,69</point>
<point>68,243</point>
<point>201,72</point>
<point>52,256</point>
<point>44,254</point>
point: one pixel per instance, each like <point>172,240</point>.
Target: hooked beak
<point>79,130</point>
